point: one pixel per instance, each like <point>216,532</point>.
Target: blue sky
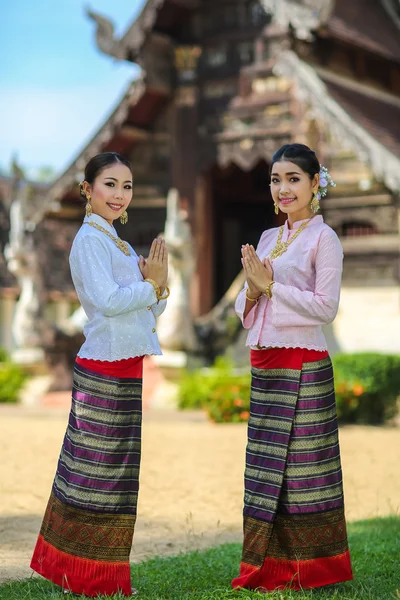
<point>56,86</point>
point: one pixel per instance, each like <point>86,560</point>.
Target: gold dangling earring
<point>315,206</point>
<point>124,218</point>
<point>276,206</point>
<point>89,210</point>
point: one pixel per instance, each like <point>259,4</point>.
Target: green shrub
<point>194,388</point>
<point>367,387</point>
<point>4,356</point>
<point>220,390</point>
<point>11,378</point>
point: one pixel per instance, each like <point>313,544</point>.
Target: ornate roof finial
<point>105,36</point>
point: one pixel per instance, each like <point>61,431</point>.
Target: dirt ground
<point>191,481</point>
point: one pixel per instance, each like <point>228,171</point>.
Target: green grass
<point>375,549</point>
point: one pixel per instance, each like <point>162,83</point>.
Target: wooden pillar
<point>202,291</point>
<point>184,159</point>
<point>184,156</point>
<point>184,166</point>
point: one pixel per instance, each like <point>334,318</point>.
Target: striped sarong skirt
<point>86,535</point>
<point>294,522</point>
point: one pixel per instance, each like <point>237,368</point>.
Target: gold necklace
<point>123,246</point>
<point>281,247</point>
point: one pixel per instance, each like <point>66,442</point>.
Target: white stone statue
<point>22,261</point>
<point>175,326</point>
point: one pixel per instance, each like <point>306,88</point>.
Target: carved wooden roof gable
<point>75,171</point>
<point>357,117</point>
<point>311,90</point>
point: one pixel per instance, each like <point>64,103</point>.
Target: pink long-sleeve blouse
<point>306,292</point>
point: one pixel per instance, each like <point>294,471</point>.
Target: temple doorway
<point>243,209</point>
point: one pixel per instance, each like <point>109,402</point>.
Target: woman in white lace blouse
<point>86,535</point>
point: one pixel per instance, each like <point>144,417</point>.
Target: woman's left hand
<point>267,264</point>
<point>259,273</point>
<point>143,266</point>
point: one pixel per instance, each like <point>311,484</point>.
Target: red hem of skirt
<point>80,575</point>
<point>126,368</point>
<point>277,574</point>
<point>285,358</point>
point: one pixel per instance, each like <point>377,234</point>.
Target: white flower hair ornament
<point>325,180</point>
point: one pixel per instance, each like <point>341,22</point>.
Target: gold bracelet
<point>155,286</point>
<point>268,290</point>
<point>252,299</point>
<point>166,294</point>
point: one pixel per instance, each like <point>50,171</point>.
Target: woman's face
<point>292,190</point>
<point>111,192</point>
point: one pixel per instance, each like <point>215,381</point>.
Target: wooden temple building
<point>223,85</point>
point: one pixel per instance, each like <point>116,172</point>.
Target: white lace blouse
<point>120,306</point>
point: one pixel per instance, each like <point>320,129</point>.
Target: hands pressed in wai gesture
<point>156,265</point>
<point>258,273</point>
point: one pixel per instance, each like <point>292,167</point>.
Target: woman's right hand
<point>157,263</point>
<point>253,291</point>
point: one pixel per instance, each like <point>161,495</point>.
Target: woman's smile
<point>114,206</point>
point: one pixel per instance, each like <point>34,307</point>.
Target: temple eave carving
<point>248,152</point>
<point>253,136</point>
<point>311,90</point>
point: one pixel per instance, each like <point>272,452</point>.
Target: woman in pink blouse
<point>294,522</point>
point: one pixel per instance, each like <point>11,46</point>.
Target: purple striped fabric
<point>83,481</point>
<point>115,458</point>
<point>125,406</point>
<point>301,432</point>
<point>103,430</point>
<point>294,526</point>
<point>99,462</point>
